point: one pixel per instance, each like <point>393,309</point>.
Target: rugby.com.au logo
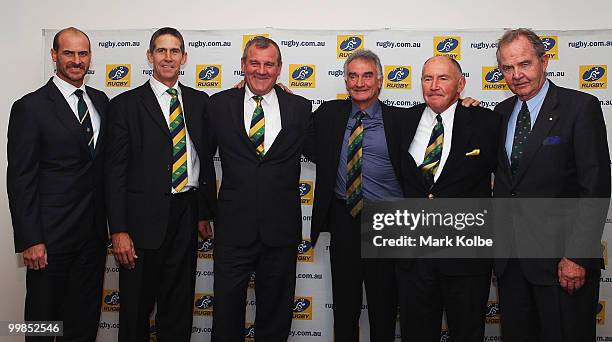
<point>249,332</point>
<point>118,76</point>
<point>247,37</point>
<point>208,76</point>
<point>550,46</point>
<point>492,313</point>
<point>203,304</point>
<point>398,77</point>
<point>447,46</point>
<point>306,192</point>
<point>347,44</point>
<point>305,251</point>
<point>493,79</point>
<point>205,248</point>
<point>594,76</point>
<point>302,308</point>
<point>110,300</point>
<point>302,76</point>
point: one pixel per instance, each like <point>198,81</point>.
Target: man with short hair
<point>451,153</point>
<point>259,130</point>
<point>160,188</point>
<point>553,145</point>
<point>356,149</point>
<point>56,195</point>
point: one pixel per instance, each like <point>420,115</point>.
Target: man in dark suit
<point>553,144</point>
<point>451,152</point>
<point>259,130</point>
<point>366,123</point>
<point>56,194</point>
<point>160,190</point>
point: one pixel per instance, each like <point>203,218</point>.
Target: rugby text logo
<point>398,77</point>
<point>493,79</point>
<point>205,248</point>
<point>203,304</point>
<point>347,44</point>
<point>550,46</point>
<point>305,251</point>
<point>118,76</point>
<point>302,308</point>
<point>492,313</point>
<point>306,192</point>
<point>593,76</point>
<point>247,37</point>
<point>302,76</point>
<point>601,312</point>
<point>447,46</point>
<point>208,76</point>
<point>110,300</point>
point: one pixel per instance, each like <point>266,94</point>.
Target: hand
<point>470,102</point>
<point>239,84</point>
<point>571,275</point>
<point>123,250</point>
<point>205,229</point>
<point>35,257</point>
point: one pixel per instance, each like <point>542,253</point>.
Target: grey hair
<point>261,42</point>
<point>364,55</point>
<point>512,35</point>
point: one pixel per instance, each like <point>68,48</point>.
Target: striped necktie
<point>433,152</point>
<point>85,119</point>
<point>258,127</point>
<point>354,193</point>
<point>521,133</point>
<point>179,142</point>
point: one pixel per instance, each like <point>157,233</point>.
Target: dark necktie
<point>433,152</point>
<point>179,142</point>
<point>85,119</point>
<point>521,133</point>
<point>354,193</point>
<point>258,127</point>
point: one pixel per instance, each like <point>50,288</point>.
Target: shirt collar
<point>267,98</point>
<point>446,115</point>
<point>66,88</point>
<point>160,89</point>
<point>533,103</point>
<point>372,110</point>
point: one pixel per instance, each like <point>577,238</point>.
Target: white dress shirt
<point>67,91</point>
<point>193,163</point>
<point>423,133</point>
<point>272,117</point>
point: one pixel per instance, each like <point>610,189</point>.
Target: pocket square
<point>552,140</point>
<point>475,152</point>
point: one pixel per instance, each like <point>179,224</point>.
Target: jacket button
<point>430,196</point>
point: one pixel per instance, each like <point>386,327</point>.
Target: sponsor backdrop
<point>313,68</point>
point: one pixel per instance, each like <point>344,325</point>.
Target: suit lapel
<point>152,105</point>
<point>100,109</point>
<point>285,115</point>
<point>505,110</point>
<point>236,111</point>
<point>415,175</point>
<point>462,132</point>
<point>547,117</point>
<point>65,115</point>
<point>188,113</point>
<point>338,129</point>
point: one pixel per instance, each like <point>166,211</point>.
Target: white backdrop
<point>313,68</point>
<point>22,22</point>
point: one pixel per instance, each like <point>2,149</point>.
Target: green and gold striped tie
<point>179,142</point>
<point>354,193</point>
<point>433,153</point>
<point>258,127</point>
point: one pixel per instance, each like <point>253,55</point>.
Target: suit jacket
<point>258,199</point>
<point>139,160</point>
<point>55,185</point>
<point>324,145</point>
<point>463,176</point>
<point>566,155</point>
